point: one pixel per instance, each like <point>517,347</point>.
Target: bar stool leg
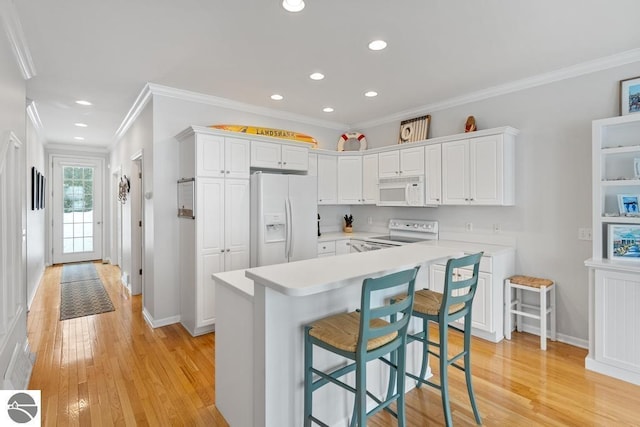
<point>519,308</point>
<point>308,376</point>
<point>543,318</point>
<point>553,313</point>
<point>507,309</point>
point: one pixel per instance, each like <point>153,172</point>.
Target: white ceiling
<point>246,50</point>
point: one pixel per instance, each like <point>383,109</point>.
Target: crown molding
<point>75,149</point>
<point>32,112</point>
<point>13,29</point>
<point>141,101</point>
<point>600,64</point>
<point>216,101</point>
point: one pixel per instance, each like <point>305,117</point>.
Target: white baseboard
<point>567,339</point>
<point>612,371</point>
<point>158,323</point>
<point>35,290</point>
<point>201,330</point>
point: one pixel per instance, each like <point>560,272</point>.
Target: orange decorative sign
<point>274,133</point>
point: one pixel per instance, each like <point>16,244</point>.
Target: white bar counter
<point>268,323</point>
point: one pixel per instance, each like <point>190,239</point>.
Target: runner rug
<point>82,294</point>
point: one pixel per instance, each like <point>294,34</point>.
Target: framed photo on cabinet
<point>624,242</point>
<point>628,204</point>
<point>630,96</point>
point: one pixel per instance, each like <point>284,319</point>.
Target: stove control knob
<point>415,225</point>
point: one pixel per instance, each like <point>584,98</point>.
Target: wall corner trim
<point>32,112</point>
<point>18,42</point>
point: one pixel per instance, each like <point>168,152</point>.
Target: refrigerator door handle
<point>287,221</point>
<point>290,232</point>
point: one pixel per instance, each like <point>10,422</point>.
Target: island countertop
<point>324,274</point>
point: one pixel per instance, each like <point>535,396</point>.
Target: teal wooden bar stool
<point>444,308</point>
<point>362,336</point>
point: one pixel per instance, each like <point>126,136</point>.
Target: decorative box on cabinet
<point>218,238</point>
<point>479,171</point>
<point>487,318</point>
<point>269,155</point>
<point>614,286</point>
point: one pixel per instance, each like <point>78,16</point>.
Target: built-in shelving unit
<point>614,288</point>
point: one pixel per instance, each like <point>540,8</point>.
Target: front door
<point>77,209</point>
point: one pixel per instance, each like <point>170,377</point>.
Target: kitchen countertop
<point>468,247</point>
<point>317,275</point>
<point>339,235</point>
<point>237,281</point>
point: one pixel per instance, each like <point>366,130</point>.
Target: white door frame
<point>137,238</point>
<point>116,219</point>
<point>79,159</point>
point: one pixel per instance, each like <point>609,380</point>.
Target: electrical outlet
<point>369,220</point>
<point>497,228</point>
<point>468,226</point>
<point>584,234</point>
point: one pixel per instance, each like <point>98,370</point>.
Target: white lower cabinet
<point>326,249</point>
<point>487,318</point>
<point>614,348</point>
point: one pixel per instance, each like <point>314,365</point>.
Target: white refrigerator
<point>284,211</point>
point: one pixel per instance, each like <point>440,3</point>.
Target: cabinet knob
<point>471,199</point>
<point>466,200</point>
<point>400,172</point>
<point>221,250</point>
<point>284,163</point>
<point>221,171</point>
<point>227,171</point>
<point>228,250</point>
<point>437,200</point>
<point>279,163</point>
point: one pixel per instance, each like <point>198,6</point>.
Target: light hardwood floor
<point>112,369</point>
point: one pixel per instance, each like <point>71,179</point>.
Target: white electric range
<point>401,232</point>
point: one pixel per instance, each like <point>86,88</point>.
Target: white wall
<point>171,116</point>
<point>36,229</point>
<point>12,119</point>
<point>553,180</point>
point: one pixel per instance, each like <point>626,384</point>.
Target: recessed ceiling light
<point>81,125</point>
<point>371,94</point>
<point>78,138</point>
<point>327,110</point>
<point>377,45</point>
<point>316,76</point>
<point>293,5</point>
<point>277,97</point>
<point>82,102</point>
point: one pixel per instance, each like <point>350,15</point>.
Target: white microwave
<point>401,191</point>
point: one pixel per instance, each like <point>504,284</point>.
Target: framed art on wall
<point>630,96</point>
<point>624,241</point>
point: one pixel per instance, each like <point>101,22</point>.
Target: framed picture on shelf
<point>624,242</point>
<point>628,204</point>
<point>630,96</point>
<point>636,168</point>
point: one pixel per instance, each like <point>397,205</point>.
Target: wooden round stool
<point>538,312</point>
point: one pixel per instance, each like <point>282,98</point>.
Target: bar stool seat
<point>540,286</point>
<point>342,330</point>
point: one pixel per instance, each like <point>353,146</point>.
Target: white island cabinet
<point>261,384</point>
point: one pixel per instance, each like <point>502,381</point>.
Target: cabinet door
<point>412,161</point>
<point>236,222</point>
<point>433,174</point>
<point>327,180</point>
<point>295,158</point>
<point>350,180</point>
<point>455,173</point>
<point>436,278</point>
<point>237,155</point>
<point>342,247</point>
<point>209,156</point>
<point>388,164</point>
<point>486,170</point>
<point>313,165</point>
<point>210,214</point>
<point>206,297</point>
<point>265,155</point>
<point>370,179</point>
<point>482,301</point>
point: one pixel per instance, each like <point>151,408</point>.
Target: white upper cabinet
<point>219,157</point>
<point>269,155</point>
<point>478,171</point>
<point>370,179</point>
<point>350,180</point>
<point>313,164</point>
<point>327,179</point>
<point>406,161</point>
<point>433,174</point>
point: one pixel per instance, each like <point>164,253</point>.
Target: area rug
<point>78,272</point>
<point>83,298</point>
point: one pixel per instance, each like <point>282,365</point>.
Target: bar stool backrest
<point>461,291</point>
<point>405,282</point>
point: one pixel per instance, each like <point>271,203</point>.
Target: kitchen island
<point>259,332</point>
